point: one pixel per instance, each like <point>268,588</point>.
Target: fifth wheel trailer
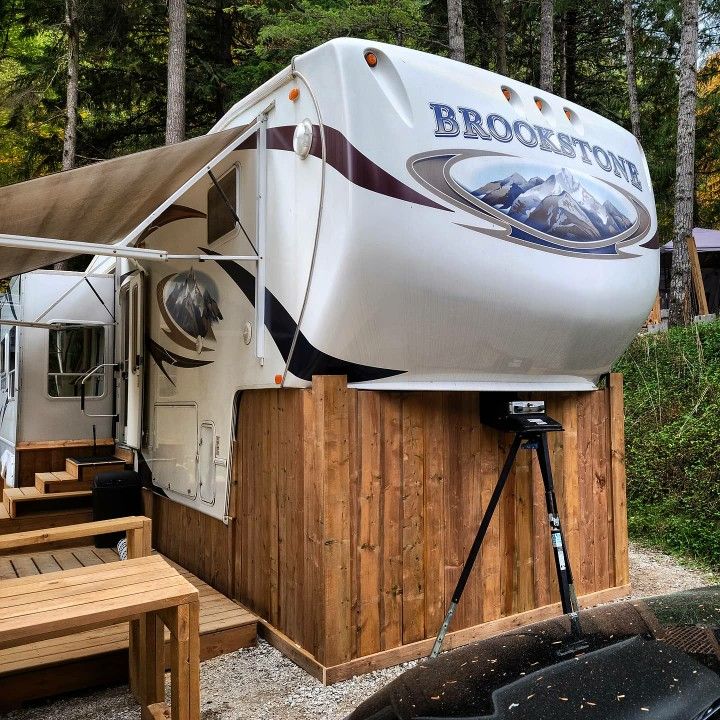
<point>410,223</point>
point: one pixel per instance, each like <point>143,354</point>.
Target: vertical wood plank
<point>331,408</point>
<point>541,551</point>
<point>354,462</point>
<point>472,510</point>
<point>600,489</point>
<point>586,563</point>
<point>454,529</point>
<point>524,533</point>
<point>507,534</point>
<point>368,545</point>
<point>571,492</point>
<point>391,534</point>
<point>272,472</point>
<point>490,566</point>
<point>313,576</point>
<point>434,511</point>
<point>413,471</point>
<point>617,469</point>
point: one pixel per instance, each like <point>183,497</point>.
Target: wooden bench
<point>144,590</point>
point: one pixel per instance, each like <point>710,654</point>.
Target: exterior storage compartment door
<point>175,448</point>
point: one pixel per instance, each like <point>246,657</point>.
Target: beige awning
<point>100,203</point>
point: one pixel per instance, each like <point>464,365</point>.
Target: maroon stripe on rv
<point>348,161</point>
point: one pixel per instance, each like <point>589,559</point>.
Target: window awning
<point>105,203</point>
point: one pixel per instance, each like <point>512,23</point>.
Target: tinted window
<point>220,219</point>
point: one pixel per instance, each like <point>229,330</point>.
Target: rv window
<point>220,220</point>
<point>73,352</point>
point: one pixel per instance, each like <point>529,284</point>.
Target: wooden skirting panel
<point>355,511</point>
<point>201,544</point>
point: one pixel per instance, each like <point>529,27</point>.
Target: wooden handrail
<point>137,527</point>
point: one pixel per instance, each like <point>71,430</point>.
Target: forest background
<point>235,45</point>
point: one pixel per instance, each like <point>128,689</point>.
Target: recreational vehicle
<point>310,303</point>
<point>371,211</point>
<point>62,327</point>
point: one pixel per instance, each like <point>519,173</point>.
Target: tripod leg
<point>475,549</point>
<point>562,563</point>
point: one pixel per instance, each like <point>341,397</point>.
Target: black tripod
<point>531,433</point>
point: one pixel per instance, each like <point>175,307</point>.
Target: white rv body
<point>380,263</point>
<point>30,410</point>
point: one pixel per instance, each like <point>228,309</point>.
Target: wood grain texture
<point>50,456</point>
<point>358,508</point>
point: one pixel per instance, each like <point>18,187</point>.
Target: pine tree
<point>177,20</point>
<point>547,11</point>
<point>680,277</point>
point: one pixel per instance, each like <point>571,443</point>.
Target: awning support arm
<point>261,234</point>
<point>85,248</point>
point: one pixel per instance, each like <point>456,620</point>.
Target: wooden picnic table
<point>147,592</point>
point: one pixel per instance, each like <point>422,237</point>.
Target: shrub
<point>672,434</point>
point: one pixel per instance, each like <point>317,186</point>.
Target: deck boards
<point>224,625</point>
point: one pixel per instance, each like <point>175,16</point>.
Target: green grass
<point>672,431</point>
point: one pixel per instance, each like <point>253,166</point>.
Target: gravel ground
<point>261,683</point>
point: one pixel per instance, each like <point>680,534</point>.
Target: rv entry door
<point>132,355</point>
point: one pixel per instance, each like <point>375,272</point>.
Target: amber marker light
<point>539,104</point>
<point>278,379</point>
<point>568,114</point>
<point>507,93</point>
<point>294,94</point>
<point>371,59</point>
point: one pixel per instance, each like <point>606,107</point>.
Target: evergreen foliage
<point>235,45</point>
<point>672,433</point>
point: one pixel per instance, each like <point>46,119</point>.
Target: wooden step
<point>57,482</point>
<point>28,501</point>
<point>85,469</point>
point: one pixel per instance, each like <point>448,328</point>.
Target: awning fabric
<point>100,203</point>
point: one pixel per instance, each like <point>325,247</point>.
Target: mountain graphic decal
<point>558,205</point>
<point>192,305</point>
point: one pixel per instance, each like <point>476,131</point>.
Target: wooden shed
<point>352,512</point>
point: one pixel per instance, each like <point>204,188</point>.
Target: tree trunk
<point>570,53</point>
<point>546,44</point>
<point>73,58</point>
<point>563,56</point>
<point>456,34</point>
<point>71,102</point>
<point>631,78</point>
<point>501,38</point>
<point>175,123</point>
<point>685,167</point>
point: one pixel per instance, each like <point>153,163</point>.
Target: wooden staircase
<point>58,493</point>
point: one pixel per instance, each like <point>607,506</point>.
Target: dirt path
<point>261,684</point>
<point>655,573</point>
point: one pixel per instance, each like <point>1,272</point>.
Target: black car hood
<point>656,659</point>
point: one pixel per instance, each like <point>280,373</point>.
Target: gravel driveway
<point>261,684</point>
